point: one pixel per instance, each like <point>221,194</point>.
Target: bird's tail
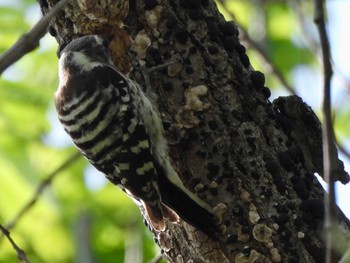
<point>187,208</point>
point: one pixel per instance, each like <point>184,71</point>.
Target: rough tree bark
<point>252,160</point>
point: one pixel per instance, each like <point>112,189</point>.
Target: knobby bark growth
<point>252,160</point>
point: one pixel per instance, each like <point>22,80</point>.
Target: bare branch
<point>254,45</point>
<point>29,41</point>
<point>311,42</point>
<point>329,151</point>
<point>273,68</point>
<point>41,188</point>
<point>20,253</point>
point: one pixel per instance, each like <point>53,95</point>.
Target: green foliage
<point>48,231</point>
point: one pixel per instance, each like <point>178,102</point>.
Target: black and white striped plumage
<point>118,129</point>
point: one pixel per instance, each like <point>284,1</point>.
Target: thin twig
<point>329,150</point>
<point>312,43</point>
<point>263,54</point>
<point>20,253</point>
<point>41,188</point>
<point>29,41</point>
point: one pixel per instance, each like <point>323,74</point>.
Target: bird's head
<point>86,53</point>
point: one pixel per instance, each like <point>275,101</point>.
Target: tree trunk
<point>252,160</point>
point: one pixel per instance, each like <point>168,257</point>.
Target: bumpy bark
<point>231,146</point>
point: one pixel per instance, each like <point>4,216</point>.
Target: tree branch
<point>20,253</point>
<point>265,57</point>
<point>273,68</point>
<point>311,42</point>
<point>29,41</point>
<point>41,188</point>
<point>329,151</point>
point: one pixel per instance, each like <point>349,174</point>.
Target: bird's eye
<point>107,40</point>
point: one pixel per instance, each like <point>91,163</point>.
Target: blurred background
<point>75,215</point>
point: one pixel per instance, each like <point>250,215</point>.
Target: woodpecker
<point>119,130</point>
